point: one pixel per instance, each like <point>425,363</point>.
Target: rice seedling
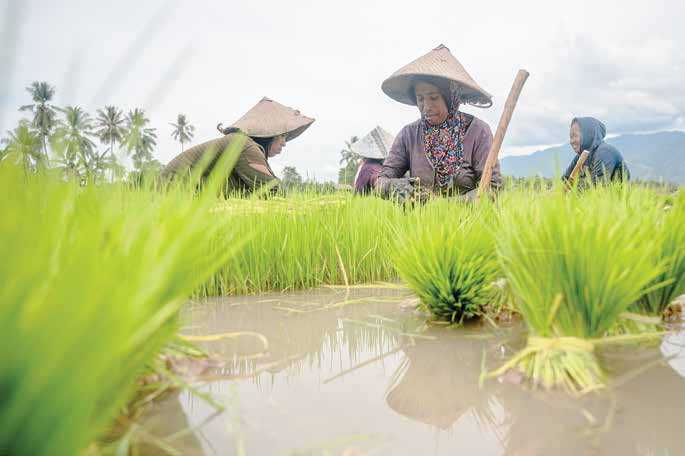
<point>447,255</point>
<point>304,241</point>
<point>93,278</point>
<point>670,233</point>
<point>575,263</point>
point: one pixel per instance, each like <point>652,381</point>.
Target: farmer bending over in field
<point>605,162</point>
<point>372,148</point>
<point>262,133</point>
<point>445,150</point>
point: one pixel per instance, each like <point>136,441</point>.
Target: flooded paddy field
<point>359,371</point>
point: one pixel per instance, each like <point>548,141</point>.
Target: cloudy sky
<point>621,61</point>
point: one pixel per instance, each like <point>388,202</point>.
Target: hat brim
<point>369,154</point>
<point>290,133</point>
<point>374,144</point>
<point>268,119</point>
<point>401,88</point>
<point>289,136</point>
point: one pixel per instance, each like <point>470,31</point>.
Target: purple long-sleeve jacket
<point>365,180</point>
<point>407,154</point>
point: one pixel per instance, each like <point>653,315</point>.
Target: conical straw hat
<point>269,118</point>
<point>438,67</point>
<point>374,145</point>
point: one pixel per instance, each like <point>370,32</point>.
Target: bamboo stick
<point>576,169</point>
<point>509,106</point>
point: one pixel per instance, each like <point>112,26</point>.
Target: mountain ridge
<point>654,156</point>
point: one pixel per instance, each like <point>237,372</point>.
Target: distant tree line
<point>64,138</point>
<point>349,160</point>
<point>93,149</point>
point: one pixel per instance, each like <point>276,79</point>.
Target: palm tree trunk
<point>45,150</point>
<point>111,155</point>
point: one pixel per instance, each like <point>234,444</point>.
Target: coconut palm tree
<point>110,126</point>
<point>142,156</point>
<point>73,145</point>
<point>139,139</point>
<point>347,154</point>
<point>24,146</point>
<point>350,161</point>
<point>183,131</point>
<point>44,114</point>
<point>291,178</point>
<point>111,164</point>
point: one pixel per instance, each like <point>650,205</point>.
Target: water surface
<point>359,371</point>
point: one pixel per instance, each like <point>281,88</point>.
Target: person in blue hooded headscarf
<point>605,163</point>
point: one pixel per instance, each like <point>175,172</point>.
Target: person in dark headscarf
<point>445,150</point>
<point>260,134</point>
<point>605,163</point>
<point>372,148</point>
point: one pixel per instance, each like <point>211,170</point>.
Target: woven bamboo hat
<point>374,145</point>
<point>438,67</point>
<point>269,118</point>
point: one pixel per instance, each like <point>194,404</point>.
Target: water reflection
<point>360,371</point>
<point>167,430</point>
<point>437,384</point>
<point>651,403</point>
<point>302,330</point>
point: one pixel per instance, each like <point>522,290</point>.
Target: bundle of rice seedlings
<point>670,234</point>
<point>446,255</point>
<point>93,279</point>
<point>575,263</point>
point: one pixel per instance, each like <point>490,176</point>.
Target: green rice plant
<point>575,262</point>
<point>93,278</point>
<point>631,324</point>
<point>670,233</point>
<point>304,241</point>
<point>502,306</point>
<point>446,254</point>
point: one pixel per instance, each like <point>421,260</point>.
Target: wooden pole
<point>576,169</point>
<point>501,130</point>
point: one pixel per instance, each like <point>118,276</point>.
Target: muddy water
<point>360,372</point>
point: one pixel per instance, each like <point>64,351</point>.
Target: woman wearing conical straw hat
<point>372,148</point>
<point>260,134</point>
<point>445,150</point>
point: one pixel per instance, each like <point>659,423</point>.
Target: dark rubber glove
<point>401,188</point>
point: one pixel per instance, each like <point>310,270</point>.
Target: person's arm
<point>603,166</point>
<point>361,179</point>
<point>390,179</point>
<point>598,171</point>
<point>481,149</point>
<point>624,172</point>
<point>396,163</point>
<point>253,169</point>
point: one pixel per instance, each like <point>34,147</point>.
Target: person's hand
<point>471,195</point>
<point>468,197</point>
<point>401,188</point>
